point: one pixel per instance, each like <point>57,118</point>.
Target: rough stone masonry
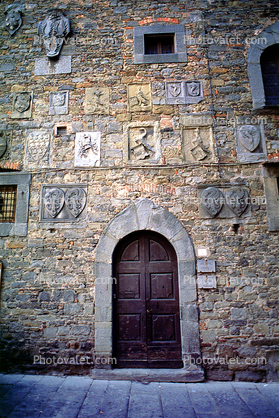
<point>92,128</point>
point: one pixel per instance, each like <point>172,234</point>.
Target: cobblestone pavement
<point>32,396</point>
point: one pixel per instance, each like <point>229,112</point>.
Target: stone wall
<point>49,275</point>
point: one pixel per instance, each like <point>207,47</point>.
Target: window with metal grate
<point>8,203</point>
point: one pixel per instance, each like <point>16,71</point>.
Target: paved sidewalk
<point>32,396</point>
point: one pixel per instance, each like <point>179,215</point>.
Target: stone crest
<point>199,150</point>
<point>212,200</point>
<point>175,89</point>
<point>249,137</point>
<point>142,143</point>
<point>38,144</point>
<point>197,138</point>
<point>158,93</point>
<point>184,92</point>
<point>13,19</point>
<point>87,149</point>
<point>59,103</point>
<point>139,97</point>
<point>75,200</point>
<point>97,100</point>
<point>237,200</point>
<point>54,29</point>
<point>22,105</point>
<point>61,203</point>
<point>54,201</point>
<point>193,88</point>
<point>224,201</point>
<point>250,143</point>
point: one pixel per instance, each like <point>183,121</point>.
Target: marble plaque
<point>175,92</point>
<point>46,66</point>
<point>206,266</point>
<point>139,97</point>
<point>38,148</point>
<point>198,144</point>
<point>250,143</point>
<point>142,143</point>
<point>96,101</point>
<point>184,92</point>
<point>207,282</point>
<point>224,201</point>
<point>22,105</point>
<point>63,203</point>
<point>87,149</point>
<point>158,93</point>
<point>59,103</point>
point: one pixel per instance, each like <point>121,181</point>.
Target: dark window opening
<point>235,228</point>
<point>7,204</point>
<point>159,44</point>
<point>61,130</point>
<point>270,74</point>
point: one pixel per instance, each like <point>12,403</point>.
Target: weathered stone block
<point>50,333</point>
<point>219,374</point>
<point>249,376</point>
<point>44,296</point>
<point>72,308</point>
<point>80,330</point>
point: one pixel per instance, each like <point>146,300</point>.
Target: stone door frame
<point>143,214</point>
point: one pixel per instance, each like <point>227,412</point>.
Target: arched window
<point>263,58</point>
<point>270,74</point>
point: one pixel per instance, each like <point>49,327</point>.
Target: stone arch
<point>145,215</point>
<point>268,37</point>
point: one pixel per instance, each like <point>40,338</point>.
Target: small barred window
<point>7,203</point>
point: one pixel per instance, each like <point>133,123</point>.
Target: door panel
<point>146,328</point>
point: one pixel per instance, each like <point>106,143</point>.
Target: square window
<point>159,44</point>
<point>7,203</point>
<point>61,130</point>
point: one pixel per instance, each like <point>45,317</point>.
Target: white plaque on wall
<point>87,149</point>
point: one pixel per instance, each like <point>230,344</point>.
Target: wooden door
<point>146,326</point>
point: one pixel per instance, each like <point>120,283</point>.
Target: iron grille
<point>7,203</point>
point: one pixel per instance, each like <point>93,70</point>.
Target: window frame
<point>268,37</point>
<point>270,172</point>
<point>19,226</point>
<point>159,40</point>
<point>9,210</point>
<point>179,55</point>
<point>267,54</point>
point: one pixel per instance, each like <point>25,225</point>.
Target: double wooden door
<point>146,327</point>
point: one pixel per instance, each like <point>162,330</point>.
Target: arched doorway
<point>146,319</point>
<point>144,215</point>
